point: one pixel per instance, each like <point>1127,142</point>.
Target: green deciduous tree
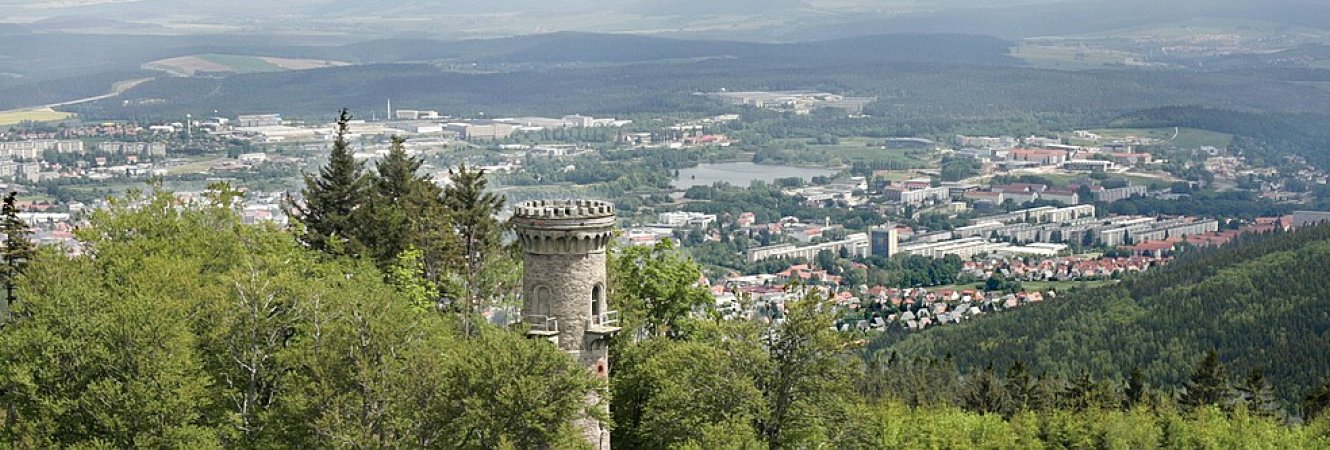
<point>669,392</point>
<point>809,376</point>
<point>656,289</point>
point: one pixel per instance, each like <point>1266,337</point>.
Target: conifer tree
<point>985,393</point>
<point>1136,387</point>
<point>1316,403</point>
<point>1258,395</point>
<point>332,211</point>
<point>407,210</point>
<point>479,231</point>
<point>1022,386</point>
<point>17,252</point>
<point>1208,385</point>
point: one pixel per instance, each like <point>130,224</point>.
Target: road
<point>116,90</point>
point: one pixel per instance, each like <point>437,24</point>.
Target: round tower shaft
<point>563,284</point>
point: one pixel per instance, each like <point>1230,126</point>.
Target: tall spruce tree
<point>408,212</point>
<point>1023,388</point>
<point>400,196</point>
<point>1316,402</point>
<point>479,231</point>
<point>1208,385</point>
<point>1136,389</point>
<point>1258,395</point>
<point>332,211</point>
<point>985,393</point>
<point>17,252</point>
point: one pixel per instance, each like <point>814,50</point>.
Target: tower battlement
<point>564,227</point>
<point>564,210</point>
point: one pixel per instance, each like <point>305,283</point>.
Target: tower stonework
<point>563,285</point>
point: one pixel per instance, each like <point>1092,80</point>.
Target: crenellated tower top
<point>564,227</point>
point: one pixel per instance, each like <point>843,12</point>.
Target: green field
<point>851,150</point>
<point>1193,138</point>
<point>242,64</point>
<point>1046,54</point>
<point>196,165</point>
<point>1186,137</point>
<point>36,115</point>
<point>1139,180</point>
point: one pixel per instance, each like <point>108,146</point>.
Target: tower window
<point>541,302</point>
<point>597,302</point>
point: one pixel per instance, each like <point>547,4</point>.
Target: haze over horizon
<point>782,20</point>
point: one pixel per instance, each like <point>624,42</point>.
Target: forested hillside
<point>1260,304</point>
<point>925,93</point>
<point>625,48</point>
<point>1272,135</point>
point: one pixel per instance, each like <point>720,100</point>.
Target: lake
<point>743,173</point>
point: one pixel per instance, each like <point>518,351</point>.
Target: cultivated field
<point>303,64</point>
<point>32,115</point>
<point>211,63</point>
<point>1068,55</point>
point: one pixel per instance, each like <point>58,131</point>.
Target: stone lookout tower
<point>563,284</point>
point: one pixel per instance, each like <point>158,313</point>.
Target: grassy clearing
<point>899,175</point>
<point>32,115</point>
<point>1186,137</point>
<point>243,64</point>
<point>1211,26</point>
<point>36,198</point>
<point>196,166</point>
<point>851,150</point>
<point>1193,138</point>
<point>1142,180</point>
<point>1067,56</point>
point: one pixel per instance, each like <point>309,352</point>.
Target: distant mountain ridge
<point>591,47</point>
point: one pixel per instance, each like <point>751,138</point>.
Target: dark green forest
<point>925,84</point>
<point>908,92</point>
<point>1272,136</point>
<point>1259,303</point>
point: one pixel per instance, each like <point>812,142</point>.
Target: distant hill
<point>1015,20</point>
<point>709,7</point>
<point>35,59</point>
<point>910,89</point>
<point>1261,303</point>
<point>606,48</point>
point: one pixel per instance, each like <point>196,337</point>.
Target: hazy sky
<point>756,19</point>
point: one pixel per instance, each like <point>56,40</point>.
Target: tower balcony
<point>604,324</point>
<point>542,326</point>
